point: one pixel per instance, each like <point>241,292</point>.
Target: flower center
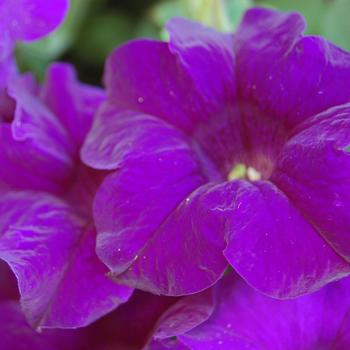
<point>241,171</point>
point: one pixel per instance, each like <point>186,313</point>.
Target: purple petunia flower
<point>180,117</point>
<point>245,319</point>
<point>47,233</point>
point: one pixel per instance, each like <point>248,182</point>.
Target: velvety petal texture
<point>180,116</point>
<point>184,315</point>
<point>52,254</point>
<point>273,247</point>
<point>149,170</point>
<point>297,76</point>
<point>136,187</point>
<point>313,171</point>
<point>33,139</point>
<point>73,103</point>
<point>245,319</point>
<point>47,234</point>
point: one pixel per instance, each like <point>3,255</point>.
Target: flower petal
<point>184,315</point>
<point>189,83</point>
<point>61,281</point>
<point>273,247</point>
<point>184,84</point>
<point>73,103</point>
<point>36,152</point>
<point>259,322</point>
<point>144,76</point>
<point>287,76</point>
<point>207,57</point>
<point>313,170</point>
<point>121,135</point>
<point>184,254</point>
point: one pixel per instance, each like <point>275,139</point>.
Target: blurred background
<point>94,27</point>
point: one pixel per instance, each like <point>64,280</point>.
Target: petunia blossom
<point>246,319</point>
<point>182,117</point>
<point>47,234</point>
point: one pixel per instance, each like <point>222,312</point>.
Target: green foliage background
<point>94,27</point>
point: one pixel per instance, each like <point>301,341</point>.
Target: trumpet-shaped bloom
<point>182,117</point>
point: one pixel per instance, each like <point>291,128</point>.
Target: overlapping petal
<point>33,138</point>
<point>313,171</point>
<point>245,319</point>
<point>273,246</point>
<point>128,214</point>
<point>175,100</point>
<point>158,78</point>
<point>73,103</point>
<point>186,314</point>
<point>51,251</point>
<point>289,77</point>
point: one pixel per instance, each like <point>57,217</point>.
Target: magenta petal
<point>127,210</point>
<point>28,20</point>
<point>137,234</point>
<point>287,76</point>
<point>207,57</point>
<point>245,319</point>
<point>73,103</point>
<point>52,254</point>
<point>274,248</point>
<point>23,169</point>
<point>184,315</point>
<point>187,313</point>
<point>36,152</point>
<point>144,75</point>
<point>313,170</point>
<point>157,78</point>
<point>189,83</point>
<point>119,136</point>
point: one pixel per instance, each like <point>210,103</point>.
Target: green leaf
<point>312,10</point>
<point>336,24</point>
<point>104,32</point>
